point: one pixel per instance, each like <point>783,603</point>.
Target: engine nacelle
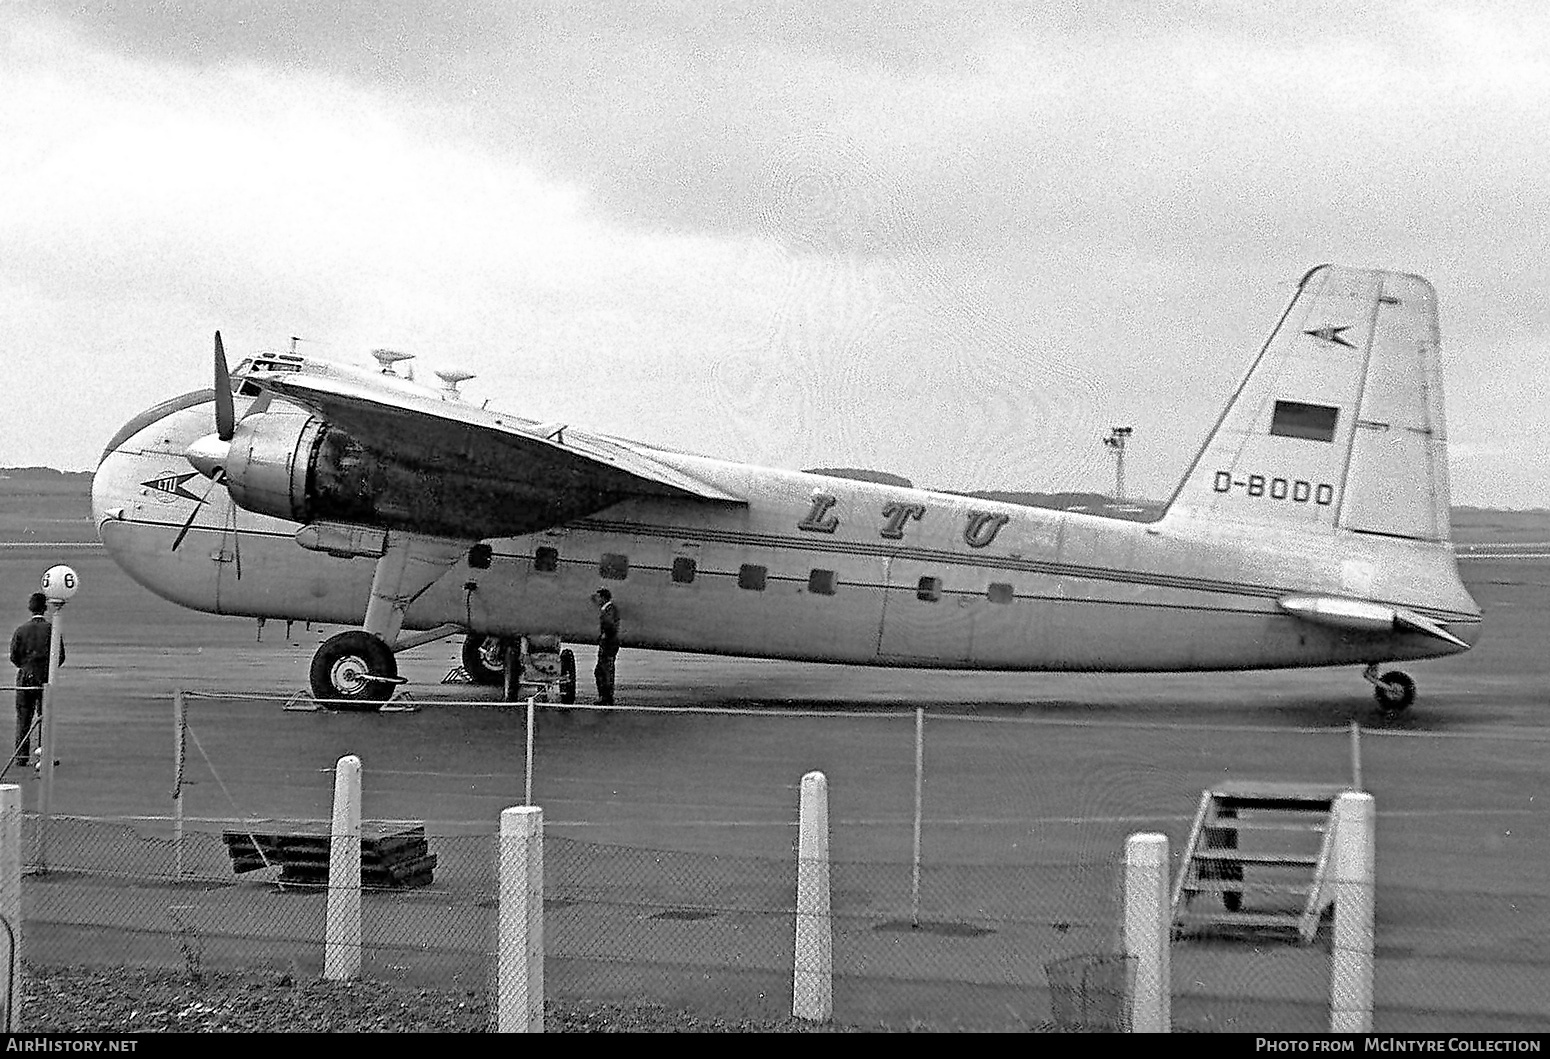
<point>293,465</point>
<point>267,463</point>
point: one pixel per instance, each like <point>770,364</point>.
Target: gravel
<point>136,1000</point>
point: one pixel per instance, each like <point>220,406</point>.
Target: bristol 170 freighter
<point>1311,529</point>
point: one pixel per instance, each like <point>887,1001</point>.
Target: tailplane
<point>1338,425</point>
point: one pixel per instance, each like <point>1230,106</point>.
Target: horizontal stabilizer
<point>1362,615</point>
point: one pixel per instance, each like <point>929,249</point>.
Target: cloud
<point>956,244</point>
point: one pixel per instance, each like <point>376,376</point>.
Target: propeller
<point>225,415</point>
<point>210,453</point>
<point>195,513</point>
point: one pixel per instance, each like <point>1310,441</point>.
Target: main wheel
<point>357,669</point>
<point>1395,691</point>
<point>567,676</point>
<point>484,659</point>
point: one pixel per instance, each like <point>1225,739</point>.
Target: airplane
<point>1310,529</point>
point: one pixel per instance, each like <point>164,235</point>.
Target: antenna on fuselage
<point>1116,441</point>
<point>450,378</point>
<point>388,357</point>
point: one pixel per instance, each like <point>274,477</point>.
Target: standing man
<point>29,654</point>
<point>607,645</point>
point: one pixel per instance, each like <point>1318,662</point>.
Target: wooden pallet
<point>393,856</point>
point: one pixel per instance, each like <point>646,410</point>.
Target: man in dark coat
<point>607,645</point>
<point>29,654</point>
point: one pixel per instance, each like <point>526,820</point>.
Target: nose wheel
<point>1395,691</point>
<point>354,671</point>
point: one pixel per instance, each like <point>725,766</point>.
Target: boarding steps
<point>1265,850</point>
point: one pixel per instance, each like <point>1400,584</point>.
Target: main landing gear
<point>485,660</point>
<point>1395,691</point>
<point>354,671</point>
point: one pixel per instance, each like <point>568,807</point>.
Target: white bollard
<point>10,897</point>
<point>1148,932</point>
<point>812,986</point>
<point>520,955</point>
<point>342,946</point>
<point>1355,862</point>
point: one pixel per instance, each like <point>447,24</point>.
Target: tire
<point>484,659</point>
<point>1395,691</point>
<point>342,668</point>
<point>567,676</point>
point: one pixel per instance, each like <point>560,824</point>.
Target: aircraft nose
<point>209,455</point>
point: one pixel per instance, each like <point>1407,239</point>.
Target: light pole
<point>1116,441</point>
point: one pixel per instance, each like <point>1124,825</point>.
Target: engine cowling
<point>267,463</point>
<point>293,465</point>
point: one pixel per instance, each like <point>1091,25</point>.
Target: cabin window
<point>821,582</point>
<point>1293,419</point>
<point>683,571</point>
<point>614,567</point>
<point>752,577</point>
<point>929,590</point>
<point>546,560</point>
<point>1000,593</point>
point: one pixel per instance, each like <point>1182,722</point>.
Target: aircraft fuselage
<point>813,568</point>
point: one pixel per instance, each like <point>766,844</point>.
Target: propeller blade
<point>193,515</point>
<point>225,414</point>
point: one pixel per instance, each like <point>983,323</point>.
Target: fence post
<point>342,946</point>
<point>812,987</point>
<point>45,742</point>
<point>1350,980</point>
<point>520,952</point>
<point>920,753</point>
<point>179,747</point>
<point>1148,932</point>
<point>10,897</point>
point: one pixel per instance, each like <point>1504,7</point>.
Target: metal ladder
<point>1263,849</point>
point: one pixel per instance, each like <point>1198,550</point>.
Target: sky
<point>952,241</point>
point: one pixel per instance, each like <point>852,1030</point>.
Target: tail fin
<point>1338,424</point>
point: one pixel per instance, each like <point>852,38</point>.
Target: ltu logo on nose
<point>170,485</point>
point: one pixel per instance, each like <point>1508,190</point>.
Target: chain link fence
<point>1011,920</point>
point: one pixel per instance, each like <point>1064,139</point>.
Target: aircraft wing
<point>427,432</point>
